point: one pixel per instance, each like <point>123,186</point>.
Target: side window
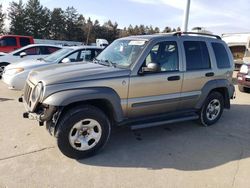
<point>95,53</point>
<point>85,55</point>
<point>221,55</point>
<point>8,41</point>
<point>52,49</point>
<point>24,41</point>
<point>166,55</point>
<point>74,57</point>
<point>197,56</point>
<point>46,50</point>
<point>32,51</point>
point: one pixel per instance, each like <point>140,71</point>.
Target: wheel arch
<point>222,86</point>
<point>105,99</point>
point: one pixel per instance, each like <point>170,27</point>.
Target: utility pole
<point>186,16</point>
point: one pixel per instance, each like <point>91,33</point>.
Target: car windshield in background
<point>122,53</point>
<point>58,54</point>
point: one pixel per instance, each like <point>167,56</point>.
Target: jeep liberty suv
<point>137,81</point>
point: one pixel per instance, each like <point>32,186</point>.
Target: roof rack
<point>195,33</point>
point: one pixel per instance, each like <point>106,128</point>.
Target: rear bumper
<point>243,80</point>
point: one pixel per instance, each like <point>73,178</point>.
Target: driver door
<point>157,92</point>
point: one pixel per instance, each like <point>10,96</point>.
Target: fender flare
<point>67,97</point>
<point>215,84</point>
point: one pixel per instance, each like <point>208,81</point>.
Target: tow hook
<point>25,114</point>
<point>20,99</point>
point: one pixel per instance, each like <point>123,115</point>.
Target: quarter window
<point>221,55</point>
<point>197,56</point>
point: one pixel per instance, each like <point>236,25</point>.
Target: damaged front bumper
<point>44,114</point>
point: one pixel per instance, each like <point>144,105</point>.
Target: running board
<point>158,123</point>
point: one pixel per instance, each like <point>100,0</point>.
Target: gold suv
<point>137,81</point>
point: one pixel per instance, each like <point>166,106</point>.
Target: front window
<point>8,41</point>
<point>57,55</point>
<point>122,52</point>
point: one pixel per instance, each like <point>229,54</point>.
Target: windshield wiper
<point>41,59</point>
<point>104,62</point>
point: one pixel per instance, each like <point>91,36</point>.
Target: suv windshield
<point>122,52</point>
<point>58,54</point>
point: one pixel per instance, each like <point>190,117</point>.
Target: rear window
<point>24,41</point>
<point>221,55</point>
<point>197,56</point>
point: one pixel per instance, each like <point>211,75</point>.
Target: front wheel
<point>212,109</point>
<point>82,132</point>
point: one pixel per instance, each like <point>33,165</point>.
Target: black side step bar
<point>158,123</point>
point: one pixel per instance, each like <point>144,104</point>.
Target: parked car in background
<point>137,81</point>
<point>16,74</point>
<point>239,44</point>
<point>32,51</point>
<point>243,77</point>
<point>9,43</point>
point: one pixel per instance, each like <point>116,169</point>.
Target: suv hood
<point>65,73</point>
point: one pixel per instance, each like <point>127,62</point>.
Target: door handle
<point>209,74</point>
<point>174,78</point>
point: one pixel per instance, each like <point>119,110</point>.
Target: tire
<point>241,89</point>
<point>212,109</point>
<point>2,66</point>
<point>82,132</point>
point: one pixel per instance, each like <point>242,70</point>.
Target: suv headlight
<point>37,92</point>
<point>244,69</point>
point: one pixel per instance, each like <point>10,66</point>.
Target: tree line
<point>35,20</point>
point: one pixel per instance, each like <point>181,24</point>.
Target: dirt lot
<point>176,155</point>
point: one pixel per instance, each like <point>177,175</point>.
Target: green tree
<point>57,24</point>
<point>18,18</point>
<point>71,23</point>
<point>2,17</point>
<point>167,30</point>
<point>38,19</point>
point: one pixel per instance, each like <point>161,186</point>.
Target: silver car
<point>32,51</point>
<point>16,74</point>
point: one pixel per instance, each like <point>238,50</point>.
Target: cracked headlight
<point>37,92</point>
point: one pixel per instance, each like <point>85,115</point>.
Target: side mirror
<point>66,60</point>
<point>23,54</point>
<point>152,67</point>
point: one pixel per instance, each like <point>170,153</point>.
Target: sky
<point>218,16</point>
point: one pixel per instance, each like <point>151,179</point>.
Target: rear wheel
<point>82,132</point>
<point>212,109</point>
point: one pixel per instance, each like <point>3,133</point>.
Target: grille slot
<point>27,92</point>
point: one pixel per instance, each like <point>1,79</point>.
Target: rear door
<point>157,92</point>
<point>198,71</point>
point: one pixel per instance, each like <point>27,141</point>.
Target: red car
<point>243,78</point>
<point>10,43</point>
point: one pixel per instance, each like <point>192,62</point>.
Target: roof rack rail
<point>195,33</point>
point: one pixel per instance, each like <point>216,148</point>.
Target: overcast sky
<point>218,16</point>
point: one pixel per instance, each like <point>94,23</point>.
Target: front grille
<point>27,92</point>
